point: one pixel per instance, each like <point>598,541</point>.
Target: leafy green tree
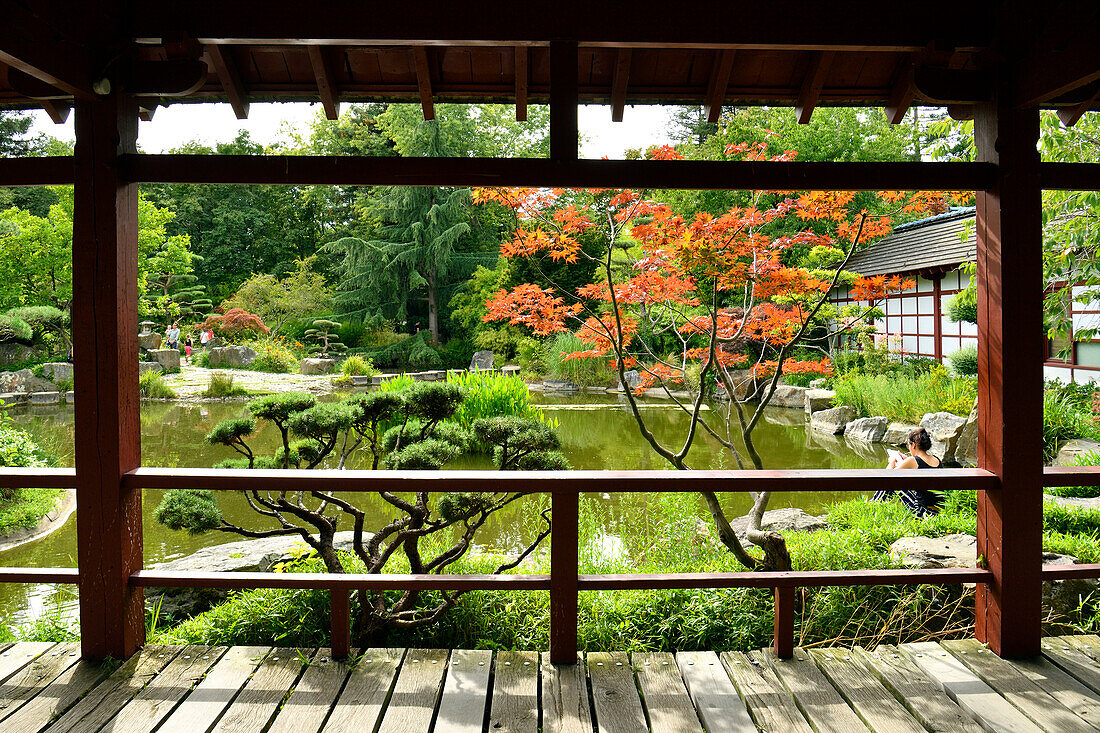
<point>280,301</point>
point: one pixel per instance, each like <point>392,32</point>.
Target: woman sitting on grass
<point>921,502</point>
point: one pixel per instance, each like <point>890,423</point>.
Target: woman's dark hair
<point>920,438</point>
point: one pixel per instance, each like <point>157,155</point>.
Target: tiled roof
<point>937,241</point>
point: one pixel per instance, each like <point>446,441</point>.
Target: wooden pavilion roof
<point>783,52</point>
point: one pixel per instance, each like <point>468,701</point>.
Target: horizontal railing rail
<point>1058,476</point>
<point>39,575</point>
<point>38,478</point>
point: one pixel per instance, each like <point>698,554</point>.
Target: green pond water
<point>597,432</point>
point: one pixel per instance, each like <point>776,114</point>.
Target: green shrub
<point>456,353</point>
<point>917,365</point>
<point>493,395</point>
<point>964,362</point>
<point>423,356</point>
<point>201,359</point>
<point>15,329</point>
<point>905,399</point>
<point>531,356</point>
<point>221,385</point>
<point>357,366</point>
<point>272,355</point>
<point>151,385</point>
<point>963,307</point>
<point>802,379</point>
<point>595,372</point>
<point>1064,420</point>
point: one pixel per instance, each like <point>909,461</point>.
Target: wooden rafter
<point>146,112</point>
<point>1070,115</point>
<point>901,98</point>
<point>230,78</point>
<point>29,45</point>
<point>326,82</point>
<point>424,81</point>
<point>521,83</point>
<point>718,84</point>
<point>1049,72</point>
<point>58,111</point>
<point>813,84</point>
<point>619,84</point>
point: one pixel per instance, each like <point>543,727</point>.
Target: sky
<point>172,126</point>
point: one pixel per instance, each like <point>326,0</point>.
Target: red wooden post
<point>1010,380</point>
<point>783,628</point>
<point>563,576</point>
<point>105,348</point>
<point>341,622</point>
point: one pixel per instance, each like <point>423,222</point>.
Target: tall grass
<point>593,372</point>
<point>221,385</point>
<point>903,398</point>
<point>492,395</point>
<point>1064,419</point>
<point>151,384</point>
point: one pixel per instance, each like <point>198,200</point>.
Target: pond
<point>597,431</point>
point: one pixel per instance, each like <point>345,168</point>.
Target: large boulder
<point>167,358</point>
<point>16,353</point>
<point>630,380</point>
<point>944,427</point>
<point>897,433</point>
<point>318,366</point>
<point>149,366</point>
<point>782,520</point>
<point>559,385</point>
<point>25,381</point>
<point>949,551</point>
<point>58,371</point>
<point>818,399</point>
<point>149,341</point>
<point>867,429</point>
<point>787,395</point>
<point>482,361</point>
<point>1072,451</point>
<point>834,420</point>
<point>231,356</point>
<point>744,383</point>
<point>966,449</point>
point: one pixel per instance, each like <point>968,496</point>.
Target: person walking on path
<point>172,337</point>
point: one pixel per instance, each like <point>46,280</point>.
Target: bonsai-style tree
<point>711,285</point>
<point>328,341</point>
<point>405,430</point>
<point>45,319</point>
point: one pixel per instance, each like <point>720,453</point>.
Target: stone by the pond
<point>818,383</point>
<point>944,427</point>
<point>231,356</point>
<point>70,397</point>
<point>818,399</point>
<point>149,341</point>
<point>149,366</point>
<point>44,398</point>
<point>24,380</point>
<point>510,371</point>
<point>13,398</point>
<point>58,371</point>
<point>897,433</point>
<point>1072,451</point>
<point>631,379</point>
<point>744,383</point>
<point>482,361</point>
<point>867,429</point>
<point>788,395</point>
<point>949,551</point>
<point>1063,597</point>
<point>14,353</point>
<point>782,520</point>
<point>317,366</point>
<point>833,420</point>
<point>559,385</point>
<point>167,358</point>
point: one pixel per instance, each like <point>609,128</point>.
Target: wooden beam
<point>952,86</point>
<point>30,45</point>
<point>326,82</point>
<point>1070,115</point>
<point>901,98</point>
<point>58,111</point>
<point>1008,610</point>
<point>718,84</point>
<point>564,137</point>
<point>619,84</point>
<point>230,78</point>
<point>424,81</point>
<point>1050,72</point>
<point>171,78</point>
<point>145,113</point>
<point>812,85</point>
<point>49,171</point>
<point>1069,177</point>
<point>564,543</point>
<point>105,348</point>
<point>521,83</point>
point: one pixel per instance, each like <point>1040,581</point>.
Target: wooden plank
<point>16,656</point>
<point>466,691</point>
<point>412,704</point>
<point>34,677</point>
<point>521,83</point>
<point>108,697</point>
<point>424,81</point>
<point>1012,684</point>
<point>563,577</point>
<point>619,84</point>
<point>264,692</point>
<point>216,691</point>
<point>160,697</point>
<point>369,684</point>
<point>979,700</point>
<point>820,61</point>
<point>615,700</point>
<point>923,697</point>
<point>664,694</point>
<point>230,77</point>
<point>1088,643</point>
<point>515,704</point>
<point>326,81</point>
<point>872,702</point>
<point>718,83</point>
<point>819,702</point>
<point>565,706</point>
<point>715,698</point>
<point>769,704</point>
<point>1074,662</point>
<point>59,696</point>
<point>312,698</point>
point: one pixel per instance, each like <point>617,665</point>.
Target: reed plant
<point>905,398</point>
<point>493,395</point>
<point>151,385</point>
<point>593,372</point>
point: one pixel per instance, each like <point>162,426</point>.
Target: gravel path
<point>191,382</point>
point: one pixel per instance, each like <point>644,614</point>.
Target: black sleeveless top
<point>929,501</point>
<point>922,464</point>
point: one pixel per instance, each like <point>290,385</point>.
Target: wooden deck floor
<point>953,686</point>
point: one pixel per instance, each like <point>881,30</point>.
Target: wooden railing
<point>563,582</point>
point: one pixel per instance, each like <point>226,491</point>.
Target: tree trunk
<point>433,307</point>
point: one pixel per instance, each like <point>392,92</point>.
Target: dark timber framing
<point>60,48</point>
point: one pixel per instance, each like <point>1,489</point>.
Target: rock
<point>482,361</point>
<point>1064,597</point>
<point>149,341</point>
<point>786,395</point>
<point>215,342</point>
<point>1078,502</point>
<point>510,371</point>
<point>13,353</point>
<point>897,433</point>
<point>149,366</point>
<point>867,429</point>
<point>58,371</point>
<point>818,383</point>
<point>818,399</point>
<point>944,427</point>
<point>13,398</point>
<point>744,383</point>
<point>231,356</point>
<point>631,379</point>
<point>833,420</point>
<point>949,551</point>
<point>167,358</point>
<point>318,366</point>
<point>25,381</point>
<point>782,520</point>
<point>45,398</point>
<point>1072,451</point>
<point>559,385</point>
<point>70,397</point>
<point>966,449</point>
<point>870,452</point>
